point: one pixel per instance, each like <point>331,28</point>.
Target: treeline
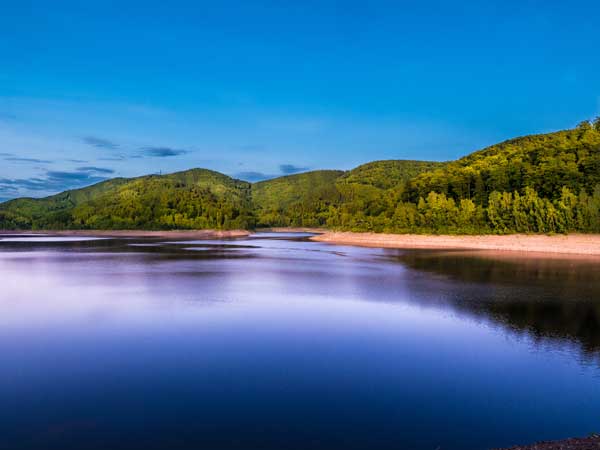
<point>535,184</point>
<point>160,204</point>
<point>506,212</point>
<point>194,199</point>
<point>547,183</point>
<point>545,162</point>
<point>315,199</point>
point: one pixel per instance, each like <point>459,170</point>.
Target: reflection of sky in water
<point>278,342</point>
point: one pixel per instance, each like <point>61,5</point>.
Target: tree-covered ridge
<point>316,199</point>
<point>296,200</point>
<point>196,198</point>
<point>51,212</point>
<point>535,184</point>
<point>387,174</point>
<point>545,162</point>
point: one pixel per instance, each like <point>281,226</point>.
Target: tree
<point>584,125</point>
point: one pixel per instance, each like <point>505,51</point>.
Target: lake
<point>277,342</point>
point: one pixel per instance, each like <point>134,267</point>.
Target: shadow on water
<point>275,342</point>
<point>545,297</point>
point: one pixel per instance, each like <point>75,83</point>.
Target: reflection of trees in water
<point>544,298</point>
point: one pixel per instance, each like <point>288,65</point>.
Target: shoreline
<point>533,244</point>
<point>179,234</point>
<point>571,244</point>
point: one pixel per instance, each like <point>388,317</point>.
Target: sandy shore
<point>574,244</point>
<point>178,234</point>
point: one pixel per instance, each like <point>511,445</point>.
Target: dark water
<point>275,342</point>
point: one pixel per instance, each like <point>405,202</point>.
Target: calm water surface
<point>276,342</point>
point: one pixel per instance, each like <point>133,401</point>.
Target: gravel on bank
<point>589,443</point>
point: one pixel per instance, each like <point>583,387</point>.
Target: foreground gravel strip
<point>589,443</point>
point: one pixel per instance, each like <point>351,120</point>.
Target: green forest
<point>547,183</point>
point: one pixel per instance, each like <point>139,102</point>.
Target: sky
<point>93,90</point>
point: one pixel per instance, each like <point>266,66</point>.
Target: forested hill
<point>540,183</point>
<point>318,199</point>
<point>296,200</point>
<point>194,199</point>
<point>544,162</point>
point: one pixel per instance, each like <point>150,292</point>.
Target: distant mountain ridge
<point>538,183</point>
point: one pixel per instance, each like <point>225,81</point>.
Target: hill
<point>316,199</point>
<point>544,183</point>
<point>296,200</point>
<point>544,162</point>
<point>539,183</point>
<point>369,193</point>
<point>51,212</point>
<point>194,199</point>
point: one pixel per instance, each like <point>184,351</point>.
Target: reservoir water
<point>277,342</point>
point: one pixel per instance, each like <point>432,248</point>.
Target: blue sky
<point>90,90</point>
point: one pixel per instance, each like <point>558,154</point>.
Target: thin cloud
<point>28,160</point>
<point>113,158</point>
<point>289,169</point>
<point>162,152</point>
<point>99,142</point>
<point>7,191</point>
<point>95,169</point>
<point>52,181</point>
<point>253,176</point>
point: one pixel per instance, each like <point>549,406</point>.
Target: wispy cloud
<point>7,191</point>
<point>92,169</point>
<point>99,142</point>
<point>53,181</point>
<point>27,160</point>
<point>113,158</point>
<point>284,169</point>
<point>253,176</point>
<point>162,152</point>
<point>289,169</point>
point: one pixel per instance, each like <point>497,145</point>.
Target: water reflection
<point>276,342</point>
<point>547,297</point>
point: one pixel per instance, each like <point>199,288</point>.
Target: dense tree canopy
<point>194,199</point>
<point>547,183</point>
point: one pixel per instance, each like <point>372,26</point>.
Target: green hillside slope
<point>534,184</point>
<point>194,199</point>
<point>296,200</point>
<point>51,212</point>
<point>545,162</point>
<point>326,197</point>
<point>370,192</point>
